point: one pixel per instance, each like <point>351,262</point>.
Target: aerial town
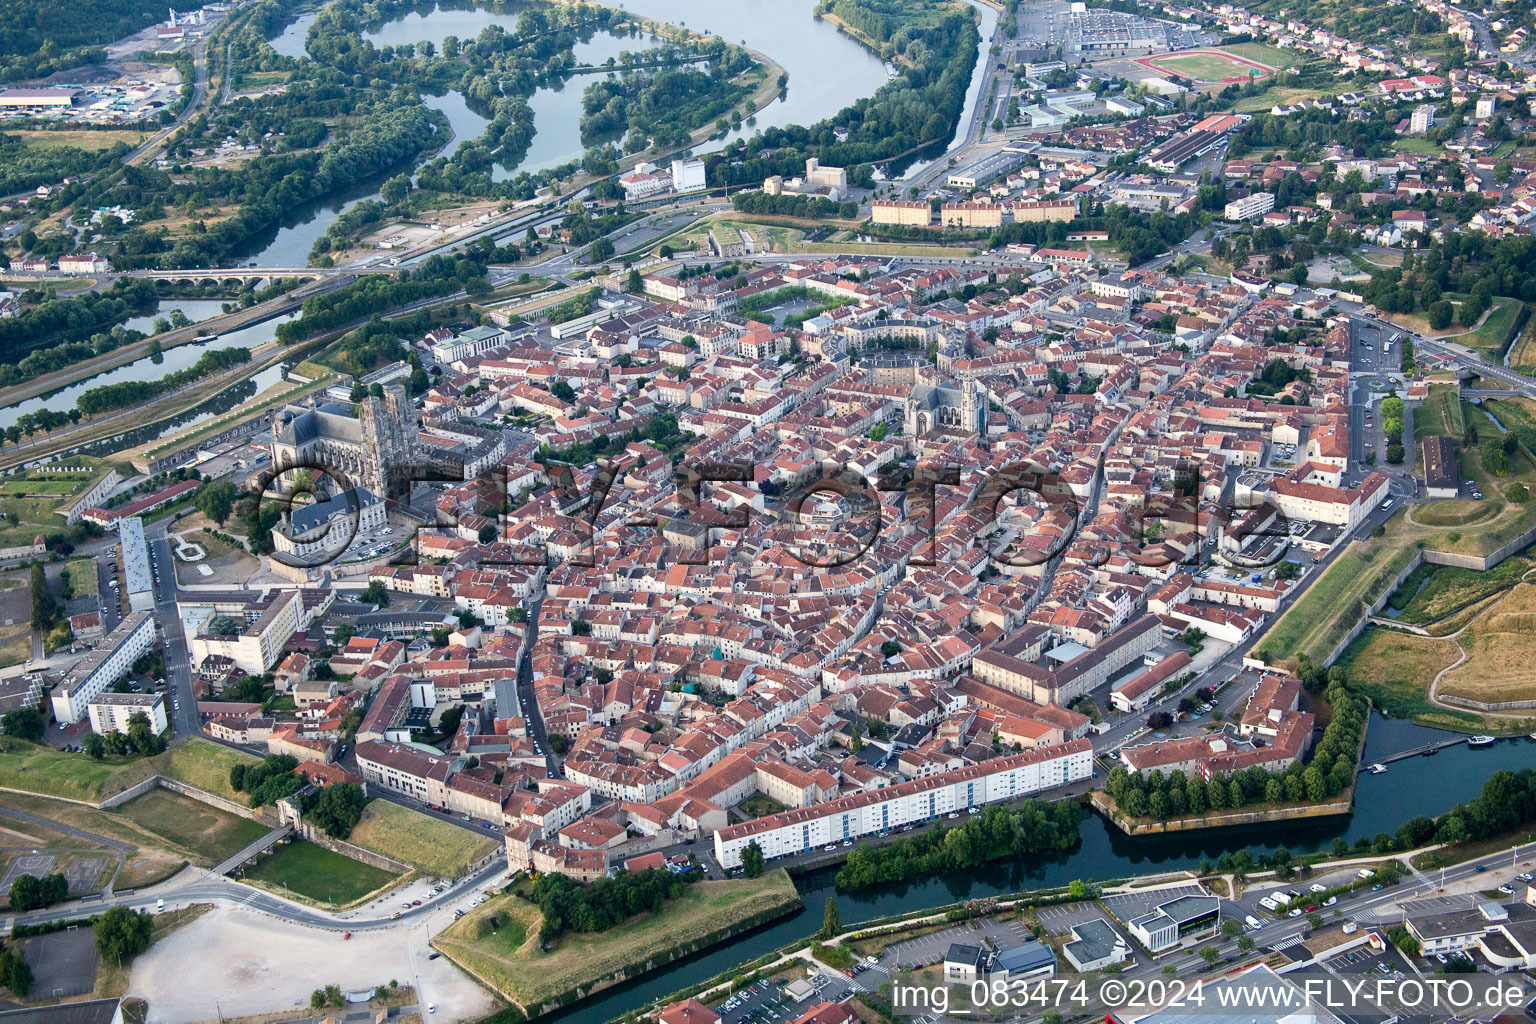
<point>543,515</point>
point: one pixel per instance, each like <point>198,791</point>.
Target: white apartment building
<point>108,663</point>
<point>473,342</point>
<point>110,711</point>
<point>1422,119</point>
<point>256,647</point>
<point>687,175</point>
<point>866,813</point>
<point>1248,207</point>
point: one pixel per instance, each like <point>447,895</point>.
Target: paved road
<point>199,92</point>
<point>178,667</point>
<point>197,886</point>
<point>90,837</point>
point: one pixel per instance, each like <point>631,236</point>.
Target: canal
<point>1418,785</point>
<point>151,368</point>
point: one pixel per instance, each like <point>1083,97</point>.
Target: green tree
<point>831,923</point>
<point>395,190</point>
<point>1209,955</point>
<point>376,594</point>
<point>752,860</point>
<point>15,973</point>
<point>24,723</point>
<point>216,500</point>
<point>338,808</point>
<point>43,608</point>
<point>122,934</point>
<point>142,735</point>
<point>29,892</point>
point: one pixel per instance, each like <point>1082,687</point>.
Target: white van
<point>159,906</point>
<point>1253,922</point>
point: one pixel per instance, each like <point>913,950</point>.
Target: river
<point>1419,785</point>
<point>827,71</point>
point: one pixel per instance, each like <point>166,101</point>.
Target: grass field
<point>156,855</point>
<point>1328,609</point>
<point>82,576</point>
<point>34,768</point>
<point>1514,412</point>
<point>91,141</point>
<point>1273,95</point>
<point>510,960</point>
<point>204,764</point>
<point>1494,331</point>
<point>30,504</point>
<point>316,874</point>
<point>1522,354</point>
<point>207,834</point>
<point>1207,67</point>
<point>1450,588</point>
<point>1424,147</point>
<point>1395,670</point>
<point>1501,647</point>
<point>429,845</point>
<point>1489,336</point>
<point>1271,55</point>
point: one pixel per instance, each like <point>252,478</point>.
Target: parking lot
<point>930,949</point>
<point>1060,919</point>
<point>762,1003</point>
<point>1130,905</point>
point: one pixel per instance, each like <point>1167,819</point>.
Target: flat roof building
<point>108,663</point>
<point>110,711</point>
<point>1181,920</point>
<point>54,98</point>
<point>1095,945</point>
<point>138,581</point>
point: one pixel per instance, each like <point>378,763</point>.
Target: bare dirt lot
<point>255,964</point>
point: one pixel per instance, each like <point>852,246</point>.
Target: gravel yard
<point>252,963</point>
